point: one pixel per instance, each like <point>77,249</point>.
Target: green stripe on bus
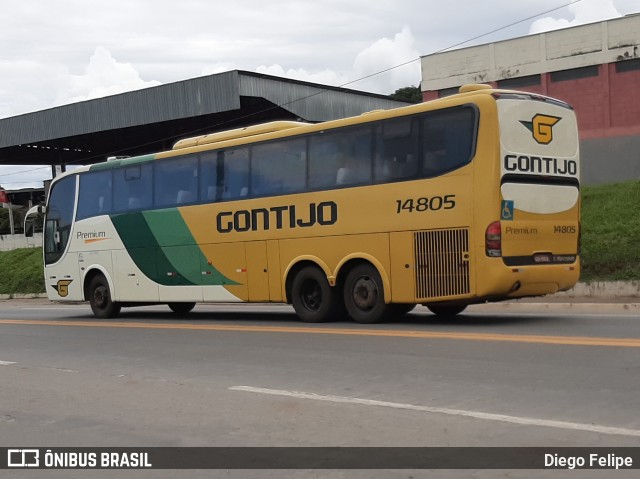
<point>161,245</point>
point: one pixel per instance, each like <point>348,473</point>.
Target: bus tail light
<point>493,240</point>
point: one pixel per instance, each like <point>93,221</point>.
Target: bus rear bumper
<point>541,280</point>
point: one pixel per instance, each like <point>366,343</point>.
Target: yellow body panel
<point>363,221</point>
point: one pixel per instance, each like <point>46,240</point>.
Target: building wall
<point>624,97</point>
<point>11,242</point>
<point>610,160</point>
<point>595,68</point>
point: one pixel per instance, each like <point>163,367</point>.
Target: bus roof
<point>270,127</point>
<point>465,91</point>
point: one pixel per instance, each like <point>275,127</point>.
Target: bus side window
<point>235,174</point>
<point>396,150</point>
<point>448,139</point>
<point>95,196</point>
<point>224,174</point>
<point>279,167</point>
<point>352,171</point>
<point>346,173</point>
<point>340,158</point>
<point>209,191</point>
<point>434,154</point>
<point>176,181</point>
<point>134,203</point>
<point>133,187</point>
<point>324,161</point>
<point>185,196</point>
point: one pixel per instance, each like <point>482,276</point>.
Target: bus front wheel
<point>100,298</point>
<point>312,297</point>
<point>364,295</point>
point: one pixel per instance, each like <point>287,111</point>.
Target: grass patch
<point>611,232</point>
<point>22,271</point>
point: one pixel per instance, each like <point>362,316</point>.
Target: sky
<point>54,53</point>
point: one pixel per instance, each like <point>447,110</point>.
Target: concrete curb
<point>542,306</point>
<point>603,289</point>
<point>23,296</point>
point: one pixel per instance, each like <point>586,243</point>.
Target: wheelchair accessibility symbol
<point>507,210</point>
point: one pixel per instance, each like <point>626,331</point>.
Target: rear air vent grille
<point>442,263</point>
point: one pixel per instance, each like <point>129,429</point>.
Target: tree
<point>411,94</point>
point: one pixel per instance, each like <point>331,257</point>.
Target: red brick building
<point>594,67</point>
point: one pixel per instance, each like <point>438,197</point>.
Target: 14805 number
<point>434,203</point>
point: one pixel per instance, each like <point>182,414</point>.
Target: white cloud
<point>103,76</point>
<point>384,54</point>
<point>27,85</point>
<point>586,11</point>
<point>217,68</point>
<point>381,55</point>
<point>325,77</point>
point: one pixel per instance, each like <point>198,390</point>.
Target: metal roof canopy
<point>153,119</point>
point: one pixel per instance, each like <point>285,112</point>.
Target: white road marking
<point>526,421</point>
<point>64,370</point>
<point>7,363</point>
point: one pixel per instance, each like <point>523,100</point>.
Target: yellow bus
<point>465,199</point>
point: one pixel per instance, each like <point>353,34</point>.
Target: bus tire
<point>364,295</point>
<point>312,297</point>
<point>181,308</point>
<point>100,298</point>
<point>446,310</point>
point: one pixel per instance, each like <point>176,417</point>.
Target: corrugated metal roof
<point>147,115</point>
<point>189,98</point>
<point>313,102</point>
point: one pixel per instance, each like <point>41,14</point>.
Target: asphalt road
<point>251,375</point>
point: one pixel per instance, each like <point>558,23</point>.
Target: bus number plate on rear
<point>434,203</point>
<point>542,258</point>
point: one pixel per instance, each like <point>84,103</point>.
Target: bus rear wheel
<point>314,300</point>
<point>181,308</point>
<point>100,298</point>
<point>364,295</point>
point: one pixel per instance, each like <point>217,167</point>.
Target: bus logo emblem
<point>541,126</point>
<point>62,287</point>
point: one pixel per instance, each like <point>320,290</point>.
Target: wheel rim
<point>365,293</point>
<point>100,297</point>
<point>311,295</point>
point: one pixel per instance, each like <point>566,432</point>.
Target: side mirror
<point>30,220</point>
